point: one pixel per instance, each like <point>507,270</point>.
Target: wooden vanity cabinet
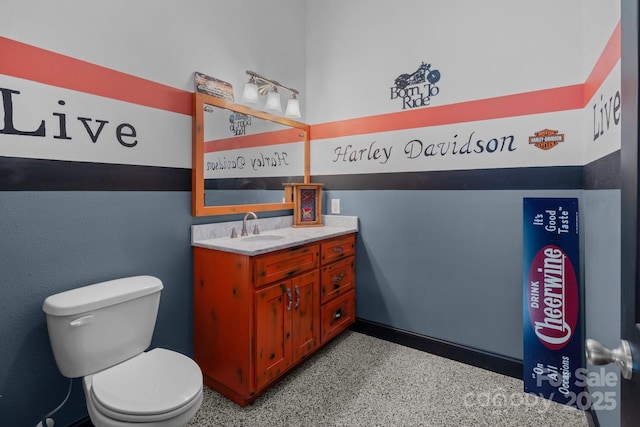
<point>256,317</point>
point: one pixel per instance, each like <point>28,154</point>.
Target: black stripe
<point>533,178</point>
<point>20,174</point>
<point>603,173</point>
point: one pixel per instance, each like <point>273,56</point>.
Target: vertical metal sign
<point>553,352</point>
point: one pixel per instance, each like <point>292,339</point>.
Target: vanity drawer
<point>337,315</point>
<point>280,265</point>
<point>338,248</point>
<point>337,278</point>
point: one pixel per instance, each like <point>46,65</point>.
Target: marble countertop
<point>275,233</point>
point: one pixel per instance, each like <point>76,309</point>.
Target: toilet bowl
<point>156,388</point>
<point>100,332</point>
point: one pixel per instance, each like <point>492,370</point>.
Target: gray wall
<point>53,241</point>
<point>444,264</point>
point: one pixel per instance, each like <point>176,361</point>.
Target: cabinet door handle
<point>338,249</point>
<point>297,297</point>
<point>338,314</point>
<point>290,299</point>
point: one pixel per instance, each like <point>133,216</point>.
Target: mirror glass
<point>242,158</point>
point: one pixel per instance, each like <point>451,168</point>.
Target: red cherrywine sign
<point>552,319</point>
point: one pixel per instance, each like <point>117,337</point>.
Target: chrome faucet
<point>244,225</point>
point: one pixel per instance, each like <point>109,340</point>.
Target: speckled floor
<point>359,380</point>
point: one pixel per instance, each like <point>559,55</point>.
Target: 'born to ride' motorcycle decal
<point>416,89</point>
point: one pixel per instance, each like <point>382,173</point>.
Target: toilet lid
<point>154,382</point>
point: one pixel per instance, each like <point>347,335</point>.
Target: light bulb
<point>250,92</point>
<point>293,108</point>
<point>273,100</point>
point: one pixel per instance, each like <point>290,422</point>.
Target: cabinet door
<point>274,306</point>
<point>306,314</point>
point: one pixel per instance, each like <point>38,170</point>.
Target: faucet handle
<point>255,229</point>
<point>233,232</point>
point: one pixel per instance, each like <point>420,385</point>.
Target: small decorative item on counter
<point>307,203</point>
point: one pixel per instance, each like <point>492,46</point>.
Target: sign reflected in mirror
<point>239,123</point>
<point>242,157</point>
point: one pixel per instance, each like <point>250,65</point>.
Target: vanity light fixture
<point>258,85</point>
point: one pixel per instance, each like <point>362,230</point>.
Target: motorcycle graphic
<point>422,74</point>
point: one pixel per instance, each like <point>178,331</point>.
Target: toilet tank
<point>97,326</point>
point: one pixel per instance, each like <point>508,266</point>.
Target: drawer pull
<point>338,249</point>
<point>338,278</point>
<point>297,297</point>
<point>290,299</point>
<point>338,314</point>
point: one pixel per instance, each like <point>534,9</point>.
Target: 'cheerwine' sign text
<point>553,297</point>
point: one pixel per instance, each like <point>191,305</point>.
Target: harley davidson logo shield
<point>546,139</point>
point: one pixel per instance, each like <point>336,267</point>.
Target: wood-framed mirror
<point>242,157</point>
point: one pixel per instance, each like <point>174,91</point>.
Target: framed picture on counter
<point>307,203</point>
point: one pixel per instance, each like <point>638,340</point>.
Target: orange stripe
<point>607,61</point>
<point>284,136</point>
<point>542,101</point>
<point>43,66</point>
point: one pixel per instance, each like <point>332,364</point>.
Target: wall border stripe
<point>522,104</point>
<point>24,174</point>
<point>20,174</point>
<point>603,173</point>
<point>530,178</point>
<point>39,65</point>
<point>608,59</point>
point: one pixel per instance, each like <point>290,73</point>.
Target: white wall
<point>483,49</point>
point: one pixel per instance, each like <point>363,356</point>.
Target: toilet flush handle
<point>82,320</point>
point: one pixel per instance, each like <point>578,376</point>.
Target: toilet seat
<point>153,386</point>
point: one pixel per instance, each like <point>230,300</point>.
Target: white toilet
<point>100,332</point>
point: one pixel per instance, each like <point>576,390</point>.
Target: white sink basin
<point>262,237</point>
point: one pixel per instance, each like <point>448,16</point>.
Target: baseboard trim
<point>470,356</point>
<point>85,422</point>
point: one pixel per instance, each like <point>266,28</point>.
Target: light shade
<point>293,108</point>
<point>273,100</point>
<point>250,92</point>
